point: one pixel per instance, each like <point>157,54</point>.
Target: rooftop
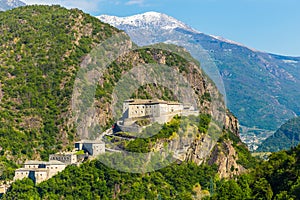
<point>36,162</point>
<point>32,169</point>
<point>149,102</point>
<point>90,142</point>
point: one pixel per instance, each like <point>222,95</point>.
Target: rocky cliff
<point>191,145</point>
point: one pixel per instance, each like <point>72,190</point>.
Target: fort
<point>92,147</point>
<point>40,171</point>
<point>67,158</point>
<point>155,110</point>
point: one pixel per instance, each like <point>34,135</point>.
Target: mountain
<point>261,88</point>
<point>39,59</point>
<point>287,136</point>
<point>9,4</point>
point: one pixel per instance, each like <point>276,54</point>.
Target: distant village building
<point>92,147</point>
<point>156,110</point>
<point>67,158</point>
<point>39,171</point>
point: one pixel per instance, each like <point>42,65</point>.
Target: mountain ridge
<point>151,17</point>
<point>287,136</point>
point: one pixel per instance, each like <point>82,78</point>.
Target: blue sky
<point>267,25</point>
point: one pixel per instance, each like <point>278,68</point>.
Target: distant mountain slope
<point>262,89</point>
<point>287,136</point>
<point>9,4</point>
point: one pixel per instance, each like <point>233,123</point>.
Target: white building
<point>92,147</point>
<point>157,110</point>
<point>67,158</point>
<point>39,171</point>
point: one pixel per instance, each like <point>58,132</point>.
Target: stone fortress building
<point>156,110</point>
<point>92,147</point>
<point>67,158</point>
<point>39,171</point>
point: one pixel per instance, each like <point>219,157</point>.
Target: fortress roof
<point>36,162</point>
<point>149,102</point>
<point>89,142</point>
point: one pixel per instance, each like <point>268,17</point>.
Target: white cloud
<point>135,2</point>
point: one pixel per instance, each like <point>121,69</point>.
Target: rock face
<point>192,146</point>
<point>232,123</point>
<point>203,149</point>
<point>225,157</point>
<point>198,83</point>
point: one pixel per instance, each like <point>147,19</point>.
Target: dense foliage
<point>277,178</point>
<point>40,52</point>
<point>93,180</point>
<point>287,136</point>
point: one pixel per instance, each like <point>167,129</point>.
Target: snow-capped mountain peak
<point>9,4</point>
<point>152,21</point>
<point>146,20</point>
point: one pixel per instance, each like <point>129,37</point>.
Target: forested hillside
<point>287,136</point>
<point>41,48</point>
<point>277,178</point>
<point>94,180</point>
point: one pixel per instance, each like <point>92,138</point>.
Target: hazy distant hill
<point>262,89</point>
<point>9,4</point>
<point>287,136</point>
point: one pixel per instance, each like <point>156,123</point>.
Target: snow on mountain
<point>146,20</point>
<point>150,20</point>
<point>9,4</point>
